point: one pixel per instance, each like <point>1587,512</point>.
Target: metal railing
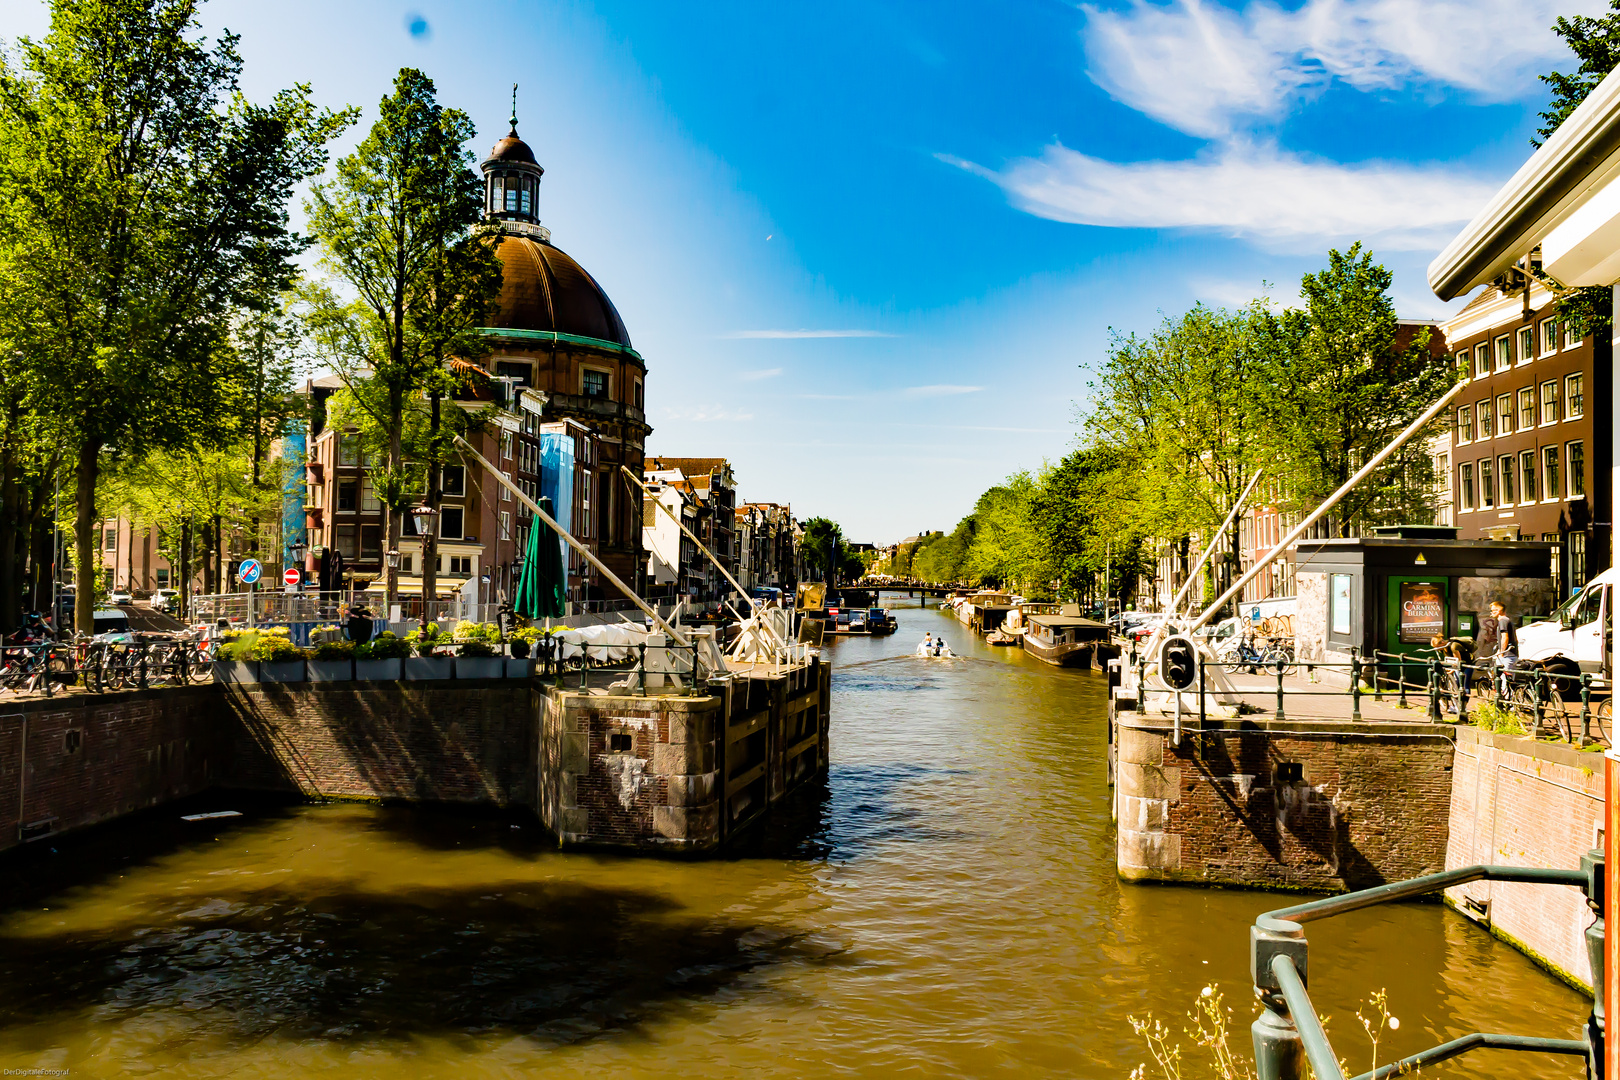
<point>1288,1033</point>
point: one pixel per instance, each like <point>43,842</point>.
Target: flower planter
<point>428,667</point>
<point>281,671</point>
<point>520,649</point>
<point>233,671</point>
<point>331,670</point>
<point>480,667</point>
<point>379,670</point>
<point>519,669</point>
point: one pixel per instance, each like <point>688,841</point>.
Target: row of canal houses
<point>560,400</point>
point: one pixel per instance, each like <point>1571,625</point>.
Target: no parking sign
<point>249,571</point>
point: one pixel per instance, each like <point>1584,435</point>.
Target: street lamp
<point>297,552</point>
<point>393,559</point>
<point>424,516</point>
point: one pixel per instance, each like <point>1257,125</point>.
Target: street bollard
<point>1280,715</point>
<point>1434,691</point>
<point>1400,676</point>
<point>1586,707</point>
<point>1355,685</point>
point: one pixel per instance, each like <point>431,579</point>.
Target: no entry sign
<point>249,571</point>
<point>291,576</point>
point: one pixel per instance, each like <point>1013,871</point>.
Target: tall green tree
<point>1340,384</point>
<point>147,204</point>
<point>399,227</point>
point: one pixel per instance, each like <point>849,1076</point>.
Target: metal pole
<point>1198,567</point>
<point>1297,531</point>
<point>568,538</point>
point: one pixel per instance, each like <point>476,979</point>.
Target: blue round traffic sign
<point>249,571</point>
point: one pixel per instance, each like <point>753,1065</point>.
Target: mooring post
<point>1280,715</point>
<point>1355,684</point>
<point>1586,707</point>
<point>1434,690</point>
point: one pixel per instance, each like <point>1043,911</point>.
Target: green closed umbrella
<point>541,589</point>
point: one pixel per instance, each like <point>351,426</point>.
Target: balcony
<point>580,405</point>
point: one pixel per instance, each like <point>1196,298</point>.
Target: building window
<point>1527,344</point>
<point>1465,424</point>
<point>1570,340</point>
<point>348,542</point>
<point>506,524</point>
<point>1550,485</point>
<point>594,383</point>
<point>450,522</point>
<point>368,497</point>
<point>1552,538</point>
<point>1574,396</point>
<point>406,564</point>
<point>1549,402</point>
<point>1577,560</point>
<point>1504,353</point>
<point>1482,360</point>
<point>1527,408</point>
<point>1505,470</point>
<point>1577,469</point>
<point>461,565</point>
<point>110,541</point>
<point>639,405</point>
<point>371,542</point>
<point>1465,485</point>
<point>1504,414</point>
<point>1487,485</point>
<point>1527,476</point>
<point>506,446</point>
<point>1339,604</point>
<point>528,196</point>
<point>349,450</point>
<point>348,491</point>
<point>506,492</point>
<point>453,480</point>
<point>1482,412</point>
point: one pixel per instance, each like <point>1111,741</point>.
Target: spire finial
<point>514,108</point>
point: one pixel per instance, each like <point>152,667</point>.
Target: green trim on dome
<point>561,339</point>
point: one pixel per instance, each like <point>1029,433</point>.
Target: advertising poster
<point>1423,611</point>
<point>1339,603</point>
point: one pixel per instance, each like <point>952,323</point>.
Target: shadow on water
<point>557,962</point>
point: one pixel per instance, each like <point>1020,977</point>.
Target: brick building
<point>1527,462</point>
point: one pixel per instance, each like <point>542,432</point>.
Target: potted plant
<point>280,661</point>
<point>332,661</point>
<point>477,660</point>
<point>427,664</point>
<point>235,662</point>
<point>382,658</point>
<point>523,639</point>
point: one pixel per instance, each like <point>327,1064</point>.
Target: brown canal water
<point>945,906</point>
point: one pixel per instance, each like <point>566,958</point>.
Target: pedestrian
<point>1498,644</point>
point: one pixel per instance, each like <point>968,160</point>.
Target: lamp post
<point>393,559</point>
<point>425,517</point>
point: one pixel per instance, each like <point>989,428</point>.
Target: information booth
<point>1391,592</point>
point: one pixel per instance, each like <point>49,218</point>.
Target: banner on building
<point>1423,611</point>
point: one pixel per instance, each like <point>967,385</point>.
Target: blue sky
<point>871,249</point>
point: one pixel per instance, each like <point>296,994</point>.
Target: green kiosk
<point>1392,591</point>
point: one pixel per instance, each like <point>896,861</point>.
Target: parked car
<point>164,599</point>
<point>119,596</point>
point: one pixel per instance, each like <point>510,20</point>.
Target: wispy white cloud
<point>940,390</point>
<point>776,334</point>
<point>756,376</point>
<point>1256,192</point>
<point>1207,69</point>
<point>706,414</point>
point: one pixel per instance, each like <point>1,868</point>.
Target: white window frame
<point>1504,352</point>
<point>1482,360</point>
<point>1504,404</point>
<point>444,518</point>
<point>1572,475</point>
<point>1465,423</point>
<point>1569,410</point>
<point>1549,336</point>
<point>1527,355</point>
<point>1557,403</point>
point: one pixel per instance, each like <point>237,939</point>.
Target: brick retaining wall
<point>74,760</point>
<point>1517,802</point>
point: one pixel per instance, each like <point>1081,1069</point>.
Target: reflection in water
<point>944,903</point>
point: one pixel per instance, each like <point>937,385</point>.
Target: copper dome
<point>544,289</point>
<point>512,148</point>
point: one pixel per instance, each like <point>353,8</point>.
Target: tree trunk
<point>184,584</point>
<point>208,562</point>
<point>86,536</point>
<point>393,518</point>
<point>10,554</point>
<point>435,493</point>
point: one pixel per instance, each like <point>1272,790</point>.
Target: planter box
<point>480,667</point>
<point>428,667</point>
<point>233,671</point>
<point>378,670</point>
<point>519,669</point>
<point>283,671</point>
<point>331,670</point>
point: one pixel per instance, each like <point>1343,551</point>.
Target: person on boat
<point>928,643</point>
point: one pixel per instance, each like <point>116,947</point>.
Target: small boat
<point>927,650</point>
<point>1002,636</point>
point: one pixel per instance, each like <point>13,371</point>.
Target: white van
<point>1579,629</point>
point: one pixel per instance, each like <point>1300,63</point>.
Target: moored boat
<point>1063,640</point>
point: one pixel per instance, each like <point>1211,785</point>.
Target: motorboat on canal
<point>934,649</point>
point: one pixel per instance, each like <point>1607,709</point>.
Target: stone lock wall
<point>1301,804</point>
<point>71,761</point>
<point>630,771</point>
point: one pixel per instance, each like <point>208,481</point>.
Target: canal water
<point>945,906</point>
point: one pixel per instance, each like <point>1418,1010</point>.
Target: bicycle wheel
<point>1603,721</point>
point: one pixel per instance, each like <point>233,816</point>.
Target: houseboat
<point>1064,640</point>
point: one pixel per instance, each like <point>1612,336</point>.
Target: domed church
<point>573,386</point>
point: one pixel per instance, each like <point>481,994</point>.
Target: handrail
<point>1289,1033</point>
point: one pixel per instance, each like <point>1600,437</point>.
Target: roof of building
<point>512,148</point>
<point>696,468</point>
<point>544,289</point>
